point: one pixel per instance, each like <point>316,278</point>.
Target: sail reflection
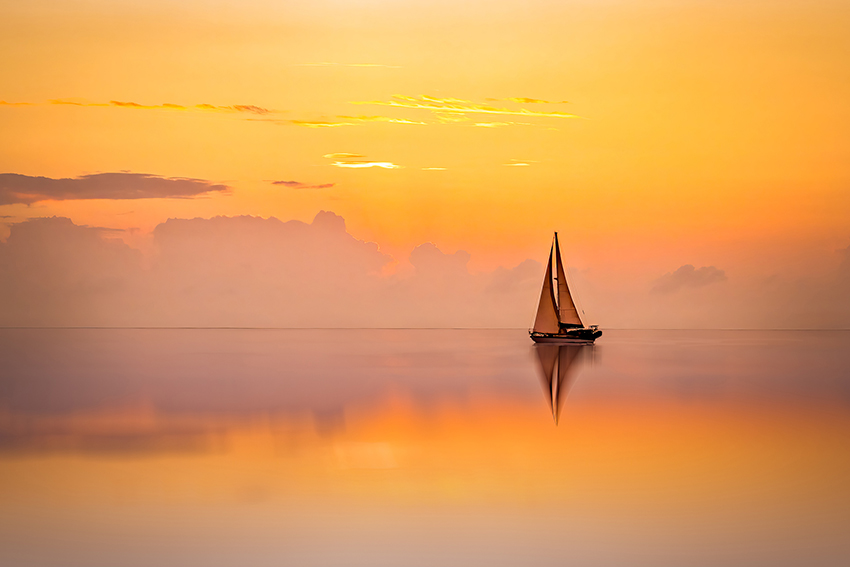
<point>559,366</point>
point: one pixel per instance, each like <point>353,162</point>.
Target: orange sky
<point>705,133</point>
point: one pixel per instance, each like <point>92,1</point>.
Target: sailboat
<point>558,320</point>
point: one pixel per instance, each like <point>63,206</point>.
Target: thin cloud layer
<point>460,106</point>
<point>499,124</point>
<point>318,123</point>
<point>247,108</point>
<point>688,277</point>
<point>24,189</point>
<point>349,121</point>
<point>382,119</point>
<point>352,161</point>
<point>300,185</point>
<point>343,155</point>
<point>365,164</point>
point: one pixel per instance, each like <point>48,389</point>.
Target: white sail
<point>567,312</point>
<point>547,317</point>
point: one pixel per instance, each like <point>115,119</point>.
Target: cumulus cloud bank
<point>255,272</point>
<point>17,188</point>
<point>688,277</point>
<point>246,272</point>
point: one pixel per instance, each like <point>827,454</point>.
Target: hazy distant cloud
<point>520,162</point>
<point>300,185</point>
<point>460,106</point>
<point>434,169</point>
<point>688,277</point>
<point>16,188</point>
<point>5,103</point>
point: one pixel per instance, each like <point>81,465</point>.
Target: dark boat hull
<point>576,336</point>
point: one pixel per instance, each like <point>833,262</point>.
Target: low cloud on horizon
<point>688,276</point>
<point>263,272</point>
<point>246,272</point>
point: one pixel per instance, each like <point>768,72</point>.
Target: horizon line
<point>222,328</point>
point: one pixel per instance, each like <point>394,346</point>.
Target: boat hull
<point>577,337</point>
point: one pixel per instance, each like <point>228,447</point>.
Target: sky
<point>694,157</point>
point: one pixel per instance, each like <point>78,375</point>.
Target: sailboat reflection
<point>559,365</point>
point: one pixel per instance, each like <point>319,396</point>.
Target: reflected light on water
<point>243,447</point>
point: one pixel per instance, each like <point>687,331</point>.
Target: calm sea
<point>124,448</point>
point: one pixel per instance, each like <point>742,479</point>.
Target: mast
<point>546,320</point>
<point>567,312</point>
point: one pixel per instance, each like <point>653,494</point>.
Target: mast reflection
<point>558,365</point>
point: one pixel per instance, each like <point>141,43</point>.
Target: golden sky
<point>650,134</point>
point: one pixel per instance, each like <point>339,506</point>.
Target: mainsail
<point>547,316</point>
<point>552,313</point>
<point>567,312</point>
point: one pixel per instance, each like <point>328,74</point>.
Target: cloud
<point>459,106</point>
<point>319,123</point>
<point>382,119</point>
<point>258,272</point>
<point>17,188</point>
<point>343,155</point>
<point>520,163</point>
<point>300,185</point>
<point>688,277</point>
<point>246,272</point>
<point>434,169</point>
<point>500,124</point>
<point>349,121</point>
<point>250,108</point>
<point>366,164</point>
<point>237,108</point>
<point>346,160</point>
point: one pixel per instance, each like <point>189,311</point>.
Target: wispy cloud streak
<point>354,161</point>
<point>366,164</point>
<point>301,185</point>
<point>460,107</point>
<point>235,108</point>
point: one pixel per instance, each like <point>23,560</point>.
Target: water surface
<point>422,447</point>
